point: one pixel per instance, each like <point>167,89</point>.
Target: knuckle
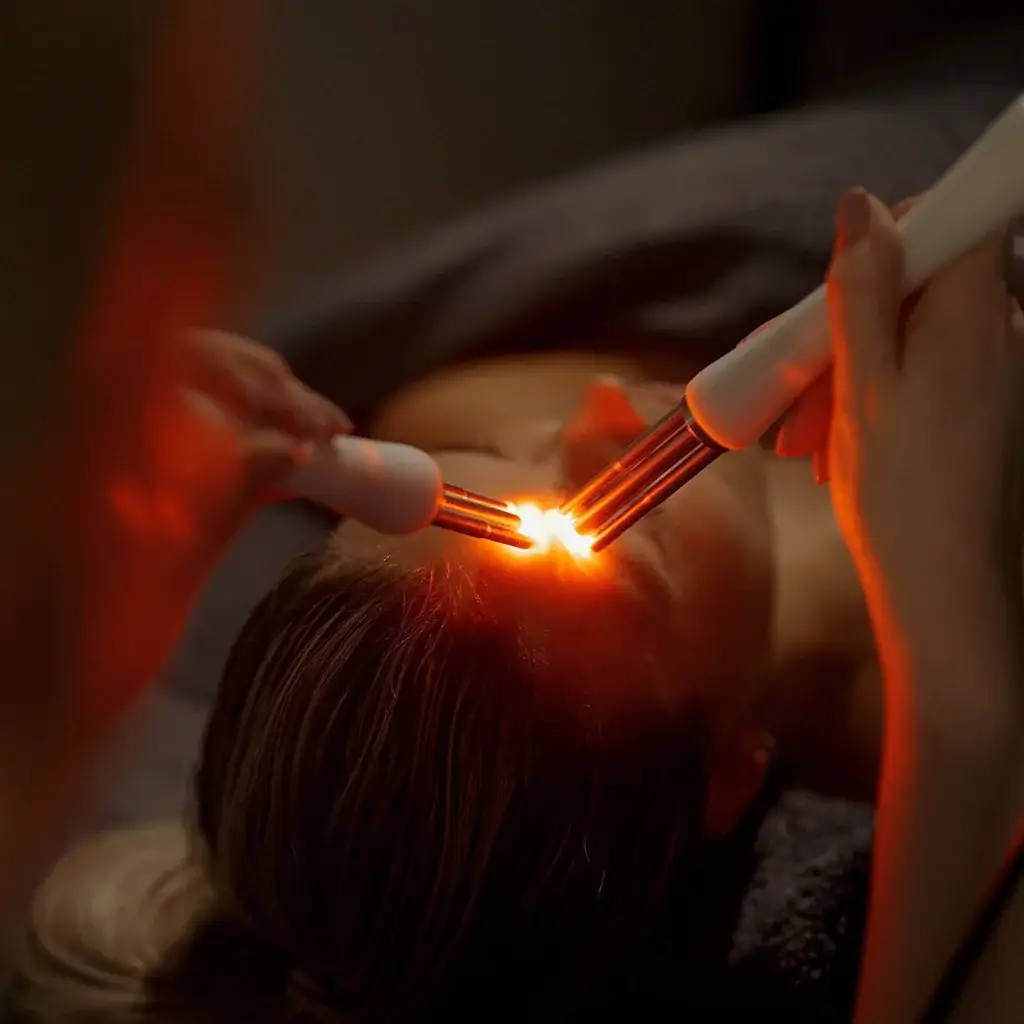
<point>978,271</point>
<point>849,278</point>
<point>959,307</point>
<point>276,363</point>
<point>277,383</point>
<point>888,246</point>
<point>272,367</point>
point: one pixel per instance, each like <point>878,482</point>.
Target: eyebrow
<point>481,448</point>
<point>549,448</point>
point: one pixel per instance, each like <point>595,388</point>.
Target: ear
<point>736,778</point>
<point>603,424</point>
<point>605,413</point>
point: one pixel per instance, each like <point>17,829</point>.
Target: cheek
<point>719,548</point>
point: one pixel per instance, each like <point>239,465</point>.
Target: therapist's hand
<point>927,476</point>
<point>805,429</point>
<point>927,440</point>
<point>255,385</point>
<point>164,481</point>
<point>939,374</point>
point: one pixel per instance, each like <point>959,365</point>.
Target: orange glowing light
<point>550,527</point>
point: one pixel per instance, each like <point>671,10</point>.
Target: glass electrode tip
<point>645,475</point>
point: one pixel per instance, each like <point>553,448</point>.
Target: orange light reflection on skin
<point>549,528</point>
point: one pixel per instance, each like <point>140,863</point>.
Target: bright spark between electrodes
<point>548,527</point>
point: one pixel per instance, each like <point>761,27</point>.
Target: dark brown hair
<point>405,813</point>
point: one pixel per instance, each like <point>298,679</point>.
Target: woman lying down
<point>445,777</point>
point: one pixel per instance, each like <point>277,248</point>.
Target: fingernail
<point>1013,269</point>
<point>854,219</point>
<point>327,415</point>
<point>819,466</point>
<point>784,447</point>
<point>904,206</point>
<point>302,453</point>
<point>320,415</point>
<point>342,423</point>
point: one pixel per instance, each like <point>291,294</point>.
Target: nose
<point>604,423</point>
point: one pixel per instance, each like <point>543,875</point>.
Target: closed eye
<point>465,449</point>
<point>532,451</point>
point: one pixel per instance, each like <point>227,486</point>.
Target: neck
<point>824,697</point>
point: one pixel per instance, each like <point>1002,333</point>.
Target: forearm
<point>950,793</point>
<point>994,992</point>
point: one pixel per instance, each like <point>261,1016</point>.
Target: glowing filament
<point>551,527</point>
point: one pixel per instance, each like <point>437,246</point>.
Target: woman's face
<point>683,596</point>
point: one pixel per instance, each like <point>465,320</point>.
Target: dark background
<point>385,117</point>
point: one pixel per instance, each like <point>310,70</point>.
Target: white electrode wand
<point>735,400</point>
<point>392,488</point>
<point>397,489</point>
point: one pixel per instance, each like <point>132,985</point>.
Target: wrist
<point>951,642</point>
<point>931,576</point>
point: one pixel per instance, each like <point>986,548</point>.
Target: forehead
<point>499,476</point>
<point>595,618</point>
<point>628,565</point>
<point>554,568</point>
<point>485,474</point>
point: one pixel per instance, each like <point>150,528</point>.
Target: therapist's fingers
<point>805,428</point>
<point>260,388</point>
<point>904,206</point>
<point>260,385</point>
<point>223,470</point>
<point>1013,267</point>
<point>304,413</point>
<point>821,465</point>
<point>268,457</point>
<point>969,292</point>
<point>864,298</point>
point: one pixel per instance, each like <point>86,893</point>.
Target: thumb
<point>865,289</point>
<point>267,457</point>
